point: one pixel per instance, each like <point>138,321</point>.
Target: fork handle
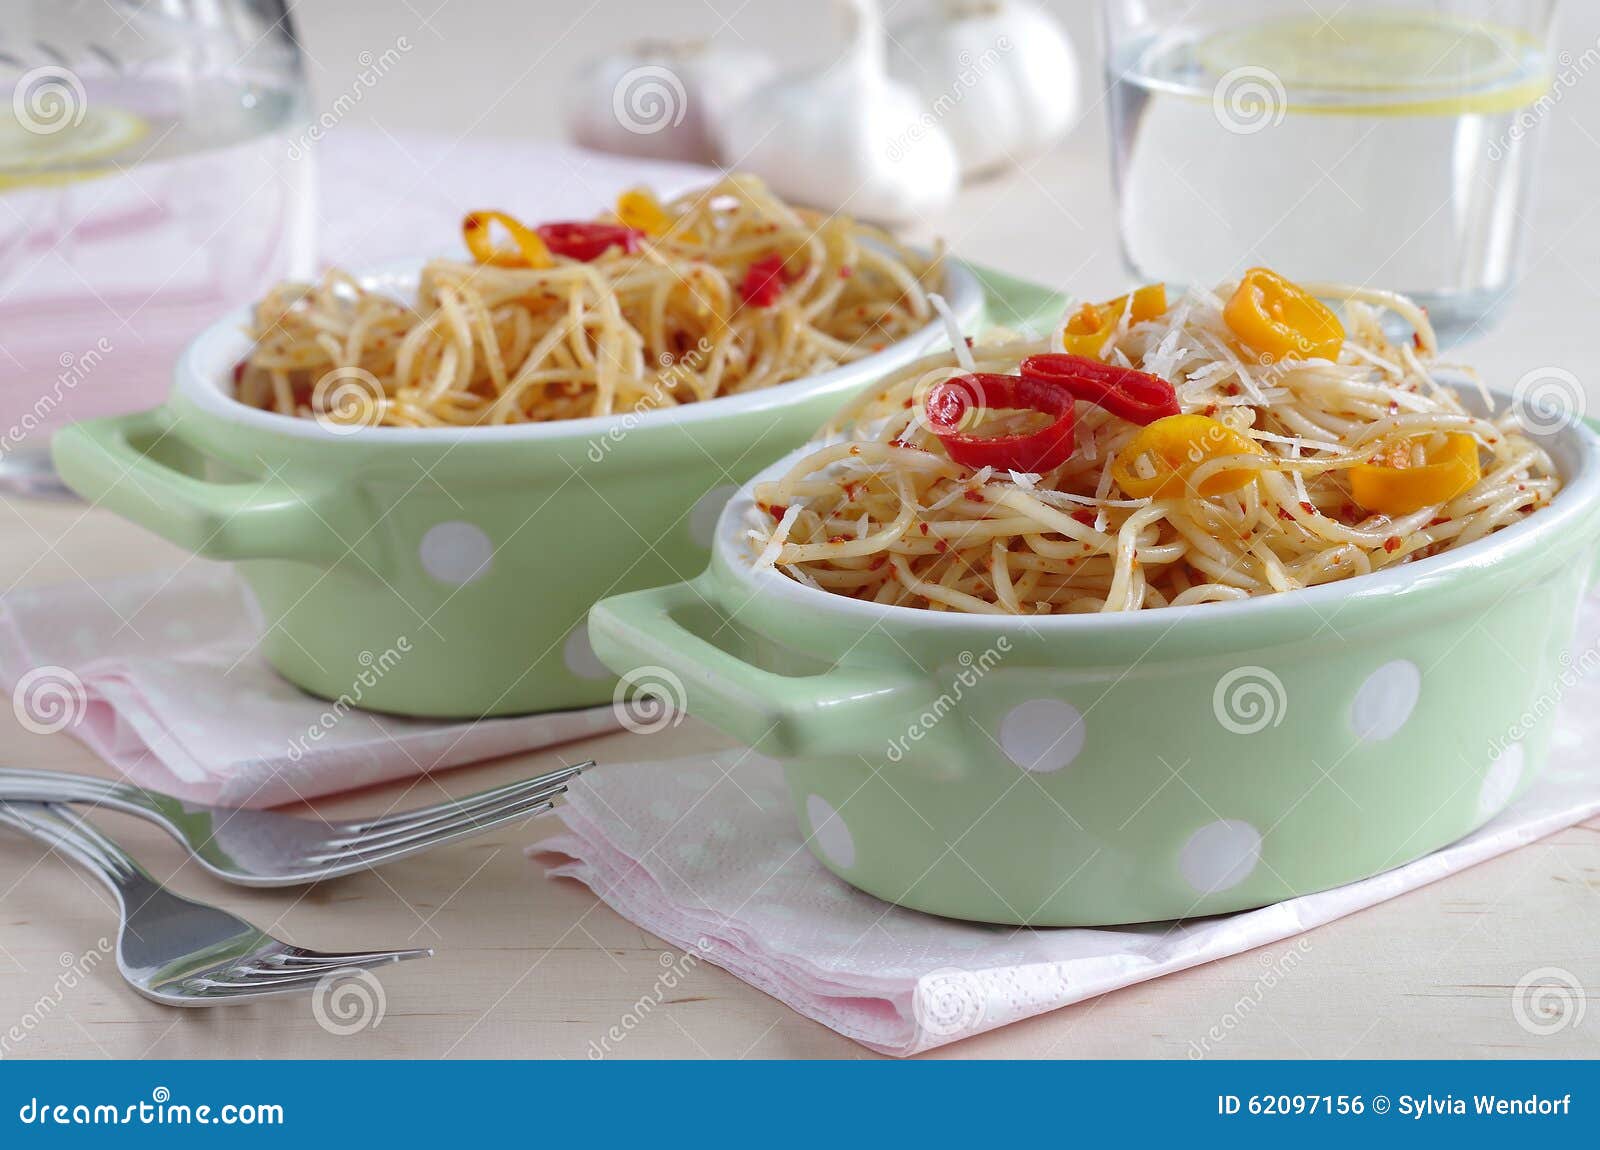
<point>67,832</point>
<point>18,783</point>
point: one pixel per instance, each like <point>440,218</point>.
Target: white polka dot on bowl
<point>456,552</point>
<point>1220,855</point>
<point>828,832</point>
<point>579,655</point>
<point>1505,772</point>
<point>1042,735</point>
<point>1385,701</point>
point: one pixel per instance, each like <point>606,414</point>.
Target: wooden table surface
<point>530,967</point>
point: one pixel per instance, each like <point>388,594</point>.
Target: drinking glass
<point>149,180</point>
<point>1387,144</point>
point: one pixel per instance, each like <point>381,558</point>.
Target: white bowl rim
<point>1579,492</point>
<point>203,377</point>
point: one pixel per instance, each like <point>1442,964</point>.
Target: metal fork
<point>179,952</point>
<point>265,848</point>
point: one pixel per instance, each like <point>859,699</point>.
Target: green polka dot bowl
<point>1100,769</point>
<point>446,571</point>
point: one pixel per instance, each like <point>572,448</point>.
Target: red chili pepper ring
<point>584,240</point>
<point>1136,396</point>
<point>948,402</point>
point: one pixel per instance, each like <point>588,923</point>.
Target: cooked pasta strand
<point>626,332</point>
<point>887,516</point>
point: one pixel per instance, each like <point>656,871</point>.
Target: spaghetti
<point>723,291</point>
<point>1280,457</point>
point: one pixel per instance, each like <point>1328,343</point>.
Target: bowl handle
<point>109,463</point>
<point>788,716</point>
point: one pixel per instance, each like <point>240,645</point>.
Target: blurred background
<point>511,71</point>
<point>167,160</point>
<point>1345,184</point>
<point>517,60</point>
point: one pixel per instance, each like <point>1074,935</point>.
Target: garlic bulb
<point>846,137</point>
<point>662,100</point>
<point>999,76</point>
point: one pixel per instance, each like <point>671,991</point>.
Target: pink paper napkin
<point>705,853</point>
<point>160,675</point>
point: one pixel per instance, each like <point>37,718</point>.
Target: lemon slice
<point>1387,63</point>
<point>30,157</point>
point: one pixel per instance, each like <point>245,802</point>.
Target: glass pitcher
<point>150,179</point>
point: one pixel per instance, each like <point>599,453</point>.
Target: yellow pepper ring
<point>1177,446</point>
<point>1086,332</point>
<point>1148,302</point>
<point>530,251</point>
<point>638,208</point>
<point>1450,470</point>
<point>1091,325</point>
<point>1280,320</point>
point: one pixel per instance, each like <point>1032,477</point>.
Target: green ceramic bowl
<point>445,572</point>
<point>1092,770</point>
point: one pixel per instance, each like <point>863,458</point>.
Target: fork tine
<point>367,853</point>
<point>294,960</point>
<point>485,807</point>
<point>388,849</point>
<point>447,806</point>
<point>244,978</point>
<point>479,817</point>
<point>358,827</point>
<point>318,958</point>
<point>483,818</point>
